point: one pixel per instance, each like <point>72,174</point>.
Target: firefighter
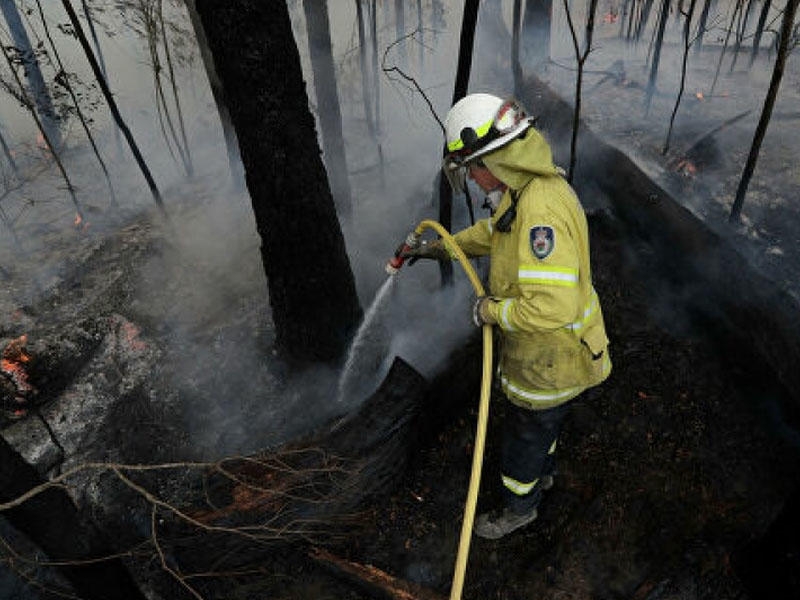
<point>554,344</point>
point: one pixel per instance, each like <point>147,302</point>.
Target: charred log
<point>372,579</point>
<point>310,490</point>
<point>53,523</point>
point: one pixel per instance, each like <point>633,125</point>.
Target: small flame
<point>700,96</point>
<point>78,220</point>
<point>686,168</point>
<point>12,364</point>
<point>610,17</point>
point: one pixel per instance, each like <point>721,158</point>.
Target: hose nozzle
<point>411,242</point>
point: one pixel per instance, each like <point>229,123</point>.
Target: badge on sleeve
<point>543,240</point>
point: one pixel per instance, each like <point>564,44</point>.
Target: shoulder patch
<point>543,240</point>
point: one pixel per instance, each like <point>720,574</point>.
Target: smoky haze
<point>202,292</point>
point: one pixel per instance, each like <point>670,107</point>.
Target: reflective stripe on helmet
<point>480,131</point>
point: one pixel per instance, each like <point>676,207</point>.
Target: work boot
<point>495,524</point>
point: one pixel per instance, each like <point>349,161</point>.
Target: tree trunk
<point>400,29</point>
<point>53,523</point>
<point>112,104</point>
<point>218,93</point>
<point>99,52</point>
<point>516,67</point>
<point>687,42</point>
<point>312,290</point>
<point>41,96</point>
<point>651,82</point>
<point>536,24</point>
<point>762,19</point>
<point>702,24</point>
<point>328,112</point>
<point>362,62</point>
<point>784,48</point>
<point>744,17</point>
<point>725,46</point>
<point>467,41</point>
<point>643,17</point>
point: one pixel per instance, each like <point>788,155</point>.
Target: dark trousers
<point>529,440</point>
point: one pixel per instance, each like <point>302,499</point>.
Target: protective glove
<point>480,312</point>
<point>434,250</point>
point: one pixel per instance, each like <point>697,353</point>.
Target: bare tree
<point>536,23</point>
<point>744,17</point>
<point>26,101</point>
<point>786,42</point>
<point>112,104</point>
<point>516,67</point>
<point>730,29</point>
<point>218,93</point>
<point>39,91</point>
<point>87,13</point>
<point>659,40</point>
<point>687,43</point>
<point>366,90</point>
<point>328,111</point>
<point>581,57</point>
<point>762,19</point>
<point>64,80</point>
<point>467,41</point>
<point>701,26</point>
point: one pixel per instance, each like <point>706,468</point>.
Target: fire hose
<point>483,406</point>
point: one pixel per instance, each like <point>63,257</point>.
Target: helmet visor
<point>455,169</point>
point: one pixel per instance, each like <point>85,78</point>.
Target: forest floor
<point>664,475</point>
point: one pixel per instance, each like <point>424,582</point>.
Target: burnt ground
<point>665,474</point>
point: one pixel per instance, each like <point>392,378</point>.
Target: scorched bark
<point>312,289</point>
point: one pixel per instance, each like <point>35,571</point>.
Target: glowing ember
<point>78,220</point>
<point>686,168</point>
<point>12,365</point>
<point>610,17</point>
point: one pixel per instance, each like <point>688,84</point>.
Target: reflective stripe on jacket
<point>554,340</point>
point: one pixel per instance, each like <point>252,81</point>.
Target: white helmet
<point>476,125</point>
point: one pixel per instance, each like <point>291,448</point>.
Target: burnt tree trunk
<point>312,290</point>
<point>784,48</point>
<point>218,93</point>
<point>467,42</point>
<point>53,523</point>
<point>516,66</point>
<point>536,24</point>
<point>703,24</point>
<point>39,91</point>
<point>328,112</point>
<point>687,42</point>
<point>762,19</point>
<point>651,82</point>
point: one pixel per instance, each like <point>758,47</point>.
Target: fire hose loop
<point>483,413</point>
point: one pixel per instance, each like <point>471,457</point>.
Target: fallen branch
<point>372,579</point>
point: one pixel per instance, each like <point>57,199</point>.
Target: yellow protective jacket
<point>554,340</point>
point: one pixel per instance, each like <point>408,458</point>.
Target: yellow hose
<point>483,415</point>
